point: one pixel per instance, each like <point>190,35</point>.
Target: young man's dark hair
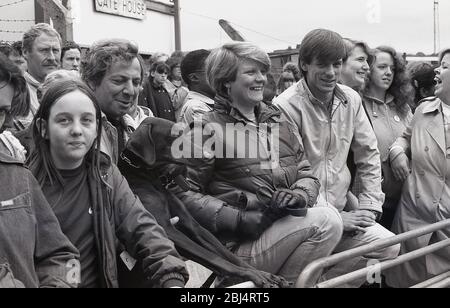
<point>160,67</point>
<point>324,45</point>
<point>68,46</point>
<point>193,62</point>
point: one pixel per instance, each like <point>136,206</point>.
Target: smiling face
<point>355,69</point>
<point>248,88</point>
<point>382,71</point>
<point>119,88</point>
<point>442,79</point>
<point>44,56</point>
<point>322,78</point>
<point>71,129</point>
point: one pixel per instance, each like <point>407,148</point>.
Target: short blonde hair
<point>223,63</point>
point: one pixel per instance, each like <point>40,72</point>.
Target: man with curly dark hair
<point>114,70</point>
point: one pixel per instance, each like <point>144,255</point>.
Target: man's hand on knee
<point>357,220</point>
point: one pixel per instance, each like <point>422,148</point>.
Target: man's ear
<point>42,128</point>
<point>152,74</point>
<point>193,78</point>
<point>303,66</point>
<point>25,54</point>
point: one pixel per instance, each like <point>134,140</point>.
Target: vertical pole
<point>434,26</point>
<point>177,25</point>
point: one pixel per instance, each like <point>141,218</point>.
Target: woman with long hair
<point>387,98</point>
<point>91,199</point>
<point>33,250</point>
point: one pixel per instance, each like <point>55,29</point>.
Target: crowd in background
<point>89,177</point>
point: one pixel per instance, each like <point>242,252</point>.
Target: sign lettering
<point>136,9</point>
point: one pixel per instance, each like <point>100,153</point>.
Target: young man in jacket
<point>331,120</point>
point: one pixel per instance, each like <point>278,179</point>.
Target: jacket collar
<point>201,97</point>
<point>432,106</point>
<point>338,96</point>
<point>263,111</point>
<point>389,99</point>
<point>6,159</point>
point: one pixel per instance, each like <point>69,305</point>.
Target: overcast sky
<point>406,25</point>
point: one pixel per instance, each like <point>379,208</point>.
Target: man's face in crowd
<point>322,78</point>
<point>44,56</point>
<point>159,76</point>
<point>119,88</point>
<point>71,60</point>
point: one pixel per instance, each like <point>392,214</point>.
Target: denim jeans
<point>291,243</point>
<point>349,241</point>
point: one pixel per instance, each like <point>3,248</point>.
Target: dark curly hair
<point>401,88</point>
<point>103,54</point>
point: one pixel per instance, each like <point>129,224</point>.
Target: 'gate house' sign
<point>128,8</point>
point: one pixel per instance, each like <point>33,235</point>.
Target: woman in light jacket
<point>426,194</point>
<point>386,100</point>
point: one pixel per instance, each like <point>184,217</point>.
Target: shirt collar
<point>31,80</point>
<point>338,96</point>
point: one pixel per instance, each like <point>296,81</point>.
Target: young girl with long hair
<point>91,199</point>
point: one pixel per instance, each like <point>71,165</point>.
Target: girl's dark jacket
<point>122,223</point>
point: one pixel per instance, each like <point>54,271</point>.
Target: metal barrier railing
<point>435,281</point>
<point>305,278</point>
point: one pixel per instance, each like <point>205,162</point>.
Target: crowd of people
<point>113,166</point>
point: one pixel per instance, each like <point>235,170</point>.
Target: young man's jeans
<point>291,243</point>
<point>350,241</point>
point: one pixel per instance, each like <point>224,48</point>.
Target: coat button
<point>418,196</point>
<point>427,149</point>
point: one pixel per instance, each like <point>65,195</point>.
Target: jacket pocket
<point>19,202</point>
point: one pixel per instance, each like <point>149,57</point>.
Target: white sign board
<point>136,9</point>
